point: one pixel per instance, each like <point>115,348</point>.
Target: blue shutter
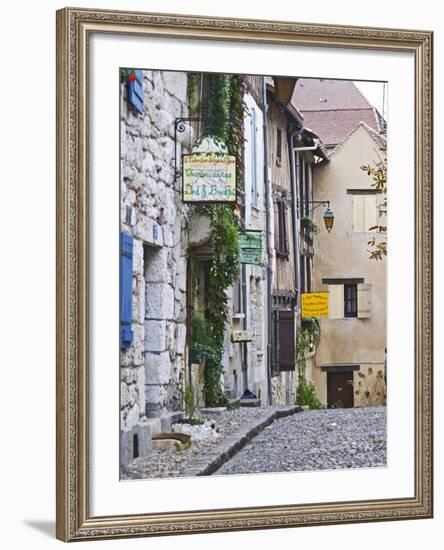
<point>135,91</point>
<point>126,290</point>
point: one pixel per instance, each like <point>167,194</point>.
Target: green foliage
<point>338,404</point>
<point>310,225</point>
<point>125,74</point>
<point>378,172</point>
<point>192,92</point>
<point>224,101</point>
<point>306,395</point>
<point>308,337</point>
<point>204,350</point>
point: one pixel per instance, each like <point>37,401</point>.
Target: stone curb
<point>234,443</point>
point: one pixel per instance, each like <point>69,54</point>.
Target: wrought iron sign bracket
<point>180,125</point>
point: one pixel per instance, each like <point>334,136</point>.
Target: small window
<point>350,301</point>
<point>237,297</point>
<point>281,228</point>
<point>279,147</point>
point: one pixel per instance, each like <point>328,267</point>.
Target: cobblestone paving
<point>316,440</point>
<point>176,463</point>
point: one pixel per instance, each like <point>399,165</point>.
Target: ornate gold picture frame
<point>75,518</point>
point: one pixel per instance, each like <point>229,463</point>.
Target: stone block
<point>155,336</point>
<point>181,334</point>
<point>133,356</point>
<point>128,375</point>
<point>181,280</point>
<point>139,299</point>
<point>175,83</point>
<point>158,89</point>
<point>159,301</point>
<point>128,394</point>
<point>163,121</point>
<point>146,231</point>
<point>135,443</point>
<point>148,163</point>
<point>200,229</point>
<point>167,420</point>
<point>156,265</point>
<point>137,256</point>
<point>132,417</point>
<point>152,393</point>
<point>157,368</point>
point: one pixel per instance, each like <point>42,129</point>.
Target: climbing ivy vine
<point>224,108</point>
<point>308,337</point>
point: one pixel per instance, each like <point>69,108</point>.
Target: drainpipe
<point>244,354</point>
<point>296,248</point>
<point>268,209</point>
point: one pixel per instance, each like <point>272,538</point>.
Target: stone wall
<point>152,369</point>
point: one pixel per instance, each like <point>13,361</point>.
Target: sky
<point>374,93</point>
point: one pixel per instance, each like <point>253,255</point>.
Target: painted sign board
<point>241,336</point>
<point>250,243</point>
<point>314,304</point>
<point>209,177</point>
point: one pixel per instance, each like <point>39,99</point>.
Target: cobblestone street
<point>309,440</point>
<point>316,440</point>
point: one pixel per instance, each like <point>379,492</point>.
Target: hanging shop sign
<point>209,173</point>
<point>314,304</point>
<point>250,243</point>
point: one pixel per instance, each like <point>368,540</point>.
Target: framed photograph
<point>244,274</point>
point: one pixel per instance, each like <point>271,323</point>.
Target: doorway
<point>340,389</point>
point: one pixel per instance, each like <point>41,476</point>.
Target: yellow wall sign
<point>209,178</point>
<point>315,304</point>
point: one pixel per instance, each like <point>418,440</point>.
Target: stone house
<point>350,360</point>
<point>349,366</point>
<point>153,259</point>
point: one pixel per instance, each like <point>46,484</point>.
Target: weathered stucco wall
<point>344,254</point>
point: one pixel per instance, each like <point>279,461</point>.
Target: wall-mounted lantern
<point>329,217</point>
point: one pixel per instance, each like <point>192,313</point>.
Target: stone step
<point>250,402</point>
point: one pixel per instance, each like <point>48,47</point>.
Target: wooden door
<point>340,389</point>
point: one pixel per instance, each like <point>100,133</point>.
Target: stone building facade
<point>152,214</point>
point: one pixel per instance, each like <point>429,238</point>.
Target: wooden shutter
<point>364,300</point>
<point>286,246</point>
<point>364,212</point>
<point>286,358</point>
<point>336,301</point>
<point>135,91</point>
<point>126,290</point>
<point>276,224</point>
<point>370,218</point>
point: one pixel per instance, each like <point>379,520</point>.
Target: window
<point>280,227</point>
<point>350,300</point>
<point>279,147</point>
<point>284,358</point>
<point>237,297</point>
<point>364,211</point>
